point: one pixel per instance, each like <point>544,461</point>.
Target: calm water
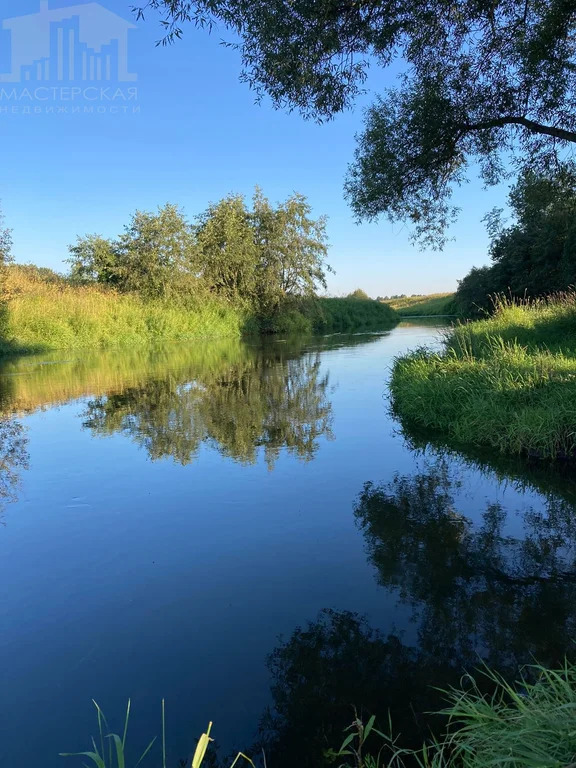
<point>244,530</point>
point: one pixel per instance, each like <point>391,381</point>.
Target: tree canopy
<point>482,81</point>
<point>535,254</point>
<point>261,255</point>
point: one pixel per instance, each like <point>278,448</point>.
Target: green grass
<point>526,725</point>
<point>47,312</point>
<point>42,315</point>
<point>491,723</point>
<point>414,306</point>
<point>110,750</point>
<point>507,382</point>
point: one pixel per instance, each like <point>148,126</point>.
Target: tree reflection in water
<point>13,458</point>
<point>477,592</point>
<point>262,402</point>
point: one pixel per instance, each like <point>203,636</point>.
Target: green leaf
<point>119,749</point>
<point>369,726</point>
<point>94,756</point>
<point>148,748</point>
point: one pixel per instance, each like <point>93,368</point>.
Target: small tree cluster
<point>260,255</point>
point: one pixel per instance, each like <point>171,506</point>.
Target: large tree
<point>482,81</point>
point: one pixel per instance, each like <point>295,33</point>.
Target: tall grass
<point>43,312</point>
<point>508,382</point>
<point>42,315</point>
<point>526,725</point>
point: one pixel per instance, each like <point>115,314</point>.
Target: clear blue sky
<point>198,136</point>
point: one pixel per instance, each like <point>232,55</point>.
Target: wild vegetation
<point>234,271</point>
<point>430,305</point>
<point>507,382</point>
<point>533,256</point>
<point>524,724</point>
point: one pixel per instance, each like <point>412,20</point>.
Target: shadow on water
<point>477,591</point>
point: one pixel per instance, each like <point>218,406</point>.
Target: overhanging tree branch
<point>530,125</point>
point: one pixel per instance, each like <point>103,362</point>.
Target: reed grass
<point>43,313</point>
<point>111,751</point>
<point>508,382</point>
<point>528,724</point>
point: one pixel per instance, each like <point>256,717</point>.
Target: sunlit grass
<point>433,304</point>
<point>43,315</point>
<point>508,382</point>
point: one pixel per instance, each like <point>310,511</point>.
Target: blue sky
<point>197,136</point>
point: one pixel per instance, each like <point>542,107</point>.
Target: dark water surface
<point>168,514</point>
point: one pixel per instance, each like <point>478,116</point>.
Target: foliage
<point>480,82</point>
<point>153,257</point>
<point>5,242</point>
<point>507,382</point>
<point>227,250</point>
<point>359,294</point>
<point>534,256</point>
<point>257,258</point>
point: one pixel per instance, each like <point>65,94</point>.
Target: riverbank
<point>43,312</point>
<point>507,382</point>
<point>423,306</point>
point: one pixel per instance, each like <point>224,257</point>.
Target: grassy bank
<point>434,304</point>
<point>507,382</point>
<point>45,312</point>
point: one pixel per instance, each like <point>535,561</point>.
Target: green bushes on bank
<point>44,311</point>
<point>508,382</point>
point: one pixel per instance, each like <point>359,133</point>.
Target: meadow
<point>431,305</point>
<point>507,382</point>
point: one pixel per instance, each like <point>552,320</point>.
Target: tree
<point>5,242</point>
<point>264,255</point>
<point>226,249</point>
<point>154,256</point>
<point>480,81</point>
<point>292,250</point>
<point>93,259</point>
<point>536,254</point>
<point>359,295</point>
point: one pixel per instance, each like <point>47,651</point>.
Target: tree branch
<point>530,125</point>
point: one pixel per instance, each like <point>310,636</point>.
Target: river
<point>243,529</point>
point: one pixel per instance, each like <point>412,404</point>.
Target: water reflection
<point>478,589</point>
<point>500,588</point>
<point>264,401</point>
<point>13,458</point>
